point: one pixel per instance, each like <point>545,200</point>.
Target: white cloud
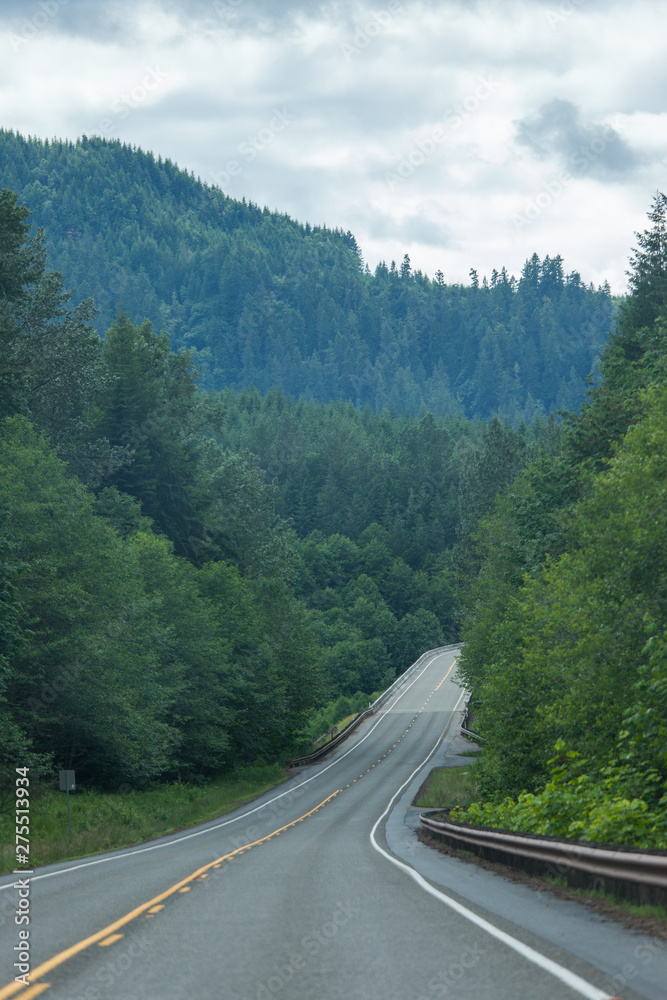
<point>365,88</point>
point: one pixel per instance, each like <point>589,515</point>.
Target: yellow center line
<point>107,935</point>
<point>34,991</point>
<point>107,941</point>
<point>12,988</point>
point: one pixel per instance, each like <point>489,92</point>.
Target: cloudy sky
<point>465,134</point>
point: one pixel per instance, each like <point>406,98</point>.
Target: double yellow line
<point>42,970</point>
<point>35,988</point>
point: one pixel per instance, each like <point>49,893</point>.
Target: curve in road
<point>293,897</point>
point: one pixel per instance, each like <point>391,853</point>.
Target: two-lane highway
<point>314,891</point>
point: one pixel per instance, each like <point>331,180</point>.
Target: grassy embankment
<point>334,717</point>
<point>332,733</point>
<point>103,821</point>
<point>447,787</point>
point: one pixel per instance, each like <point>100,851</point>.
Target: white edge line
<point>571,979</point>
<point>234,819</point>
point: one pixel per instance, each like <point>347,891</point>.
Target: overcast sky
<point>465,134</point>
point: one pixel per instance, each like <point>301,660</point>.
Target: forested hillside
<point>134,644</point>
<point>566,606</point>
<point>260,300</point>
<point>188,578</point>
<point>194,576</point>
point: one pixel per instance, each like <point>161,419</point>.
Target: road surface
<point>320,890</point>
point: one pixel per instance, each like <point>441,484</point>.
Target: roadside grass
<point>646,919</point>
<point>104,821</point>
<point>647,911</point>
<point>447,787</point>
<point>331,719</point>
<point>338,728</point>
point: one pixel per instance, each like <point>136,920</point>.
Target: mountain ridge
<point>260,299</point>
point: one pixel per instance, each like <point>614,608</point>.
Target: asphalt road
<point>320,890</point>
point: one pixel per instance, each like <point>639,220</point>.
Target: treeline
<point>148,623</point>
<point>261,300</point>
<point>338,470</point>
<point>566,606</point>
<point>190,580</point>
<point>378,503</point>
<point>161,615</point>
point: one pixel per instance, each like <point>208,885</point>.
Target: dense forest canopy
<point>189,577</point>
<point>566,601</point>
<point>260,300</point>
<point>201,570</point>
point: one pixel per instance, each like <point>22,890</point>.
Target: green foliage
<point>159,616</point>
<point>486,472</point>
<point>121,652</point>
<point>574,804</point>
<point>576,640</point>
<point>113,656</point>
<point>648,276</point>
<point>448,788</point>
<point>187,577</point>
<point>351,665</point>
<point>338,471</point>
<point>327,718</point>
<point>21,260</point>
<point>84,684</point>
<point>566,618</point>
<point>275,680</point>
<point>10,628</point>
<point>50,356</point>
<point>16,747</point>
<point>191,651</point>
<point>147,410</point>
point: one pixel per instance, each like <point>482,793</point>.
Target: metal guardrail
<point>316,755</point>
<point>646,869</point>
<point>400,681</point>
<point>471,735</point>
<point>466,719</point>
<point>312,758</point>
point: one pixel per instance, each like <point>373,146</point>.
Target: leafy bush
<point>335,711</point>
<point>574,804</point>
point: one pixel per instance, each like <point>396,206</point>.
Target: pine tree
<point>647,276</point>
